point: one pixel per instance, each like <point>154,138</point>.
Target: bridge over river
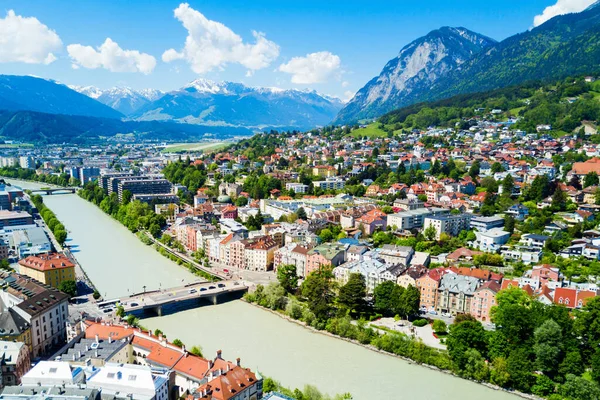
<point>187,296</point>
<point>52,190</point>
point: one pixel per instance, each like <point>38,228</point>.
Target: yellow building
<point>50,269</point>
<point>324,171</point>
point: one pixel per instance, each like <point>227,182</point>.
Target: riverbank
<point>119,264</point>
<point>370,347</point>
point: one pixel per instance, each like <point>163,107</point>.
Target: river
<point>119,264</point>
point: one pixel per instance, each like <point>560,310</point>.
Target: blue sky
<point>332,46</point>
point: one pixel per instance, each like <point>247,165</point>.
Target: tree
<point>155,231</point>
<point>465,335</point>
<point>241,201</point>
<point>577,388</point>
<point>575,182</point>
<point>590,179</point>
<point>559,200</point>
<point>197,351</point>
<point>475,367</point>
<point>430,233</point>
<point>571,364</point>
<point>68,287</point>
<point>439,326</point>
<point>509,223</point>
<point>508,184</point>
<point>301,213</point>
<point>497,167</point>
<point>384,297</point>
<point>61,236</point>
<point>520,369</point>
<point>409,301</point>
<point>326,235</point>
<point>352,294</point>
<point>436,168</point>
<point>288,278</point>
<point>317,288</point>
<point>126,197</point>
<point>178,343</point>
<point>475,169</point>
<point>499,374</point>
<point>548,347</point>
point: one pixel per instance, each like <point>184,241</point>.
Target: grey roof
<point>88,348</point>
<point>455,283</point>
<point>12,324</point>
<point>69,392</point>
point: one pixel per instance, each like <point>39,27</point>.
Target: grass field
<point>371,131</point>
<point>190,147</point>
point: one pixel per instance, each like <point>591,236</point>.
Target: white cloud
<point>561,7</point>
<point>27,40</point>
<point>348,95</point>
<point>345,84</point>
<point>210,45</point>
<point>313,68</point>
<point>111,57</point>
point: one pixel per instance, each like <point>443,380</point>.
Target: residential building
<point>296,187</point>
<point>428,284</point>
<point>324,171</point>
<point>14,218</point>
<point>143,185</point>
<point>413,219</point>
<point>455,293</point>
<point>50,269</point>
<point>491,240</point>
<point>89,174</point>
<point>483,300</point>
<point>230,189</point>
<point>450,225</point>
<point>138,381</point>
<point>291,254</point>
<point>14,362</point>
<point>44,309</point>
<point>325,255</point>
<point>27,162</point>
<point>483,224</point>
<point>330,184</point>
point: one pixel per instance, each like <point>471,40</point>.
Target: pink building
<point>545,273</point>
<point>230,212</point>
<point>483,300</point>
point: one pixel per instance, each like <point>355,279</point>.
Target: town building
<point>50,269</point>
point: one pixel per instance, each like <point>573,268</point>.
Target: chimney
<point>183,348</point>
<point>97,338</point>
<point>219,353</point>
<point>210,364</point>
<point>160,337</point>
<point>237,362</point>
<point>110,338</point>
<point>96,353</point>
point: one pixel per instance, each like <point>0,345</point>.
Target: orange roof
<point>47,262</point>
<point>193,366</point>
<point>158,353</point>
<point>105,331</point>
<point>225,386</point>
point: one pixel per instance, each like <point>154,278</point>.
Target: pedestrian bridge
<point>188,296</point>
<point>50,191</point>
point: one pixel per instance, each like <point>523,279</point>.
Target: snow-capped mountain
<point>418,65</point>
<point>234,104</point>
<point>123,99</point>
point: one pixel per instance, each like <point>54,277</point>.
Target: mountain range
<point>211,103</point>
<point>123,99</point>
<point>451,61</point>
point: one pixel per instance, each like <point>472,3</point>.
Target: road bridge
<point>188,296</point>
<point>50,191</point>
